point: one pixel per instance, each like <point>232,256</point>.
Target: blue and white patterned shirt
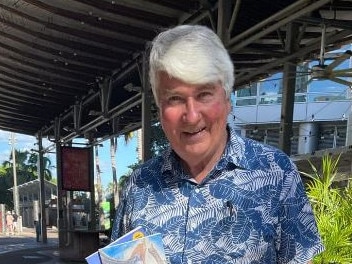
<point>251,208</point>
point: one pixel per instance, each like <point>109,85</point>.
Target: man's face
<point>193,118</point>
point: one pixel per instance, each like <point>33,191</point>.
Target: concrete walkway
<point>24,249</point>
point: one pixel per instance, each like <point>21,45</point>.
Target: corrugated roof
<point>32,187</point>
<point>68,60</point>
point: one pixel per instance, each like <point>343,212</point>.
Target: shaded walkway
<point>24,249</point>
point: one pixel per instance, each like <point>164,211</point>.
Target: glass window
<point>327,91</point>
<point>319,97</point>
<point>271,86</point>
<point>327,86</point>
<point>270,99</point>
<point>250,90</point>
<point>270,90</point>
<point>244,102</point>
<point>302,78</point>
<point>246,96</point>
<point>300,98</point>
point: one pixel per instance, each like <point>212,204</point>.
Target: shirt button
<point>196,190</point>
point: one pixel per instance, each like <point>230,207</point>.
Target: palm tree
<point>332,208</point>
<point>113,149</point>
<point>99,186</point>
<point>33,165</point>
<point>24,173</point>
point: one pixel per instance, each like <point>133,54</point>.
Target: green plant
<point>333,211</point>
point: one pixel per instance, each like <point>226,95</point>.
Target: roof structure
<point>70,68</point>
<point>33,187</point>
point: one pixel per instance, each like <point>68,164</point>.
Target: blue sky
<point>126,153</point>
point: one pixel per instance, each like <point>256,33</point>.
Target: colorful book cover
<point>136,233</point>
<point>145,250</point>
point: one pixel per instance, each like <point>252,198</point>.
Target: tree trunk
<point>113,149</point>
<point>99,188</point>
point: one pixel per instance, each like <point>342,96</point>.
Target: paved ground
<point>24,249</point>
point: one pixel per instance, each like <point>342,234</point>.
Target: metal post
<point>93,220</point>
<point>42,188</point>
<point>288,93</point>
<point>224,16</point>
<point>146,111</point>
<point>15,187</point>
<point>60,200</point>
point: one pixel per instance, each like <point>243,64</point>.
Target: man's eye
<point>205,95</point>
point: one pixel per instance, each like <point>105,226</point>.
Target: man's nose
<point>192,113</point>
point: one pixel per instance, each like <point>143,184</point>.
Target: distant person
<point>15,222</point>
<point>83,220</point>
<point>215,197</point>
<point>9,223</point>
<point>38,227</point>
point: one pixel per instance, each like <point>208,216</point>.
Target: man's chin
<point>191,154</point>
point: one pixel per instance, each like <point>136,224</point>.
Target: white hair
<point>193,54</point>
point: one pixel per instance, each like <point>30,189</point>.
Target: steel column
<point>146,111</point>
<point>42,188</point>
<point>288,93</point>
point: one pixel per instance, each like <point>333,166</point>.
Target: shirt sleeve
<point>299,239</point>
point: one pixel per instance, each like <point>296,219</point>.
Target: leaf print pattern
<point>251,208</point>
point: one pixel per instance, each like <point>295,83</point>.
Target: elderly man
<point>214,196</point>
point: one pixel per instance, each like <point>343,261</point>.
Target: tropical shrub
<point>332,207</point>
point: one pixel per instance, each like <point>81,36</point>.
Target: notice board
<point>76,168</point>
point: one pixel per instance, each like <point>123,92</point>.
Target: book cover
<point>136,233</point>
<point>145,250</point>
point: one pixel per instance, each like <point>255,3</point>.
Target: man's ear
<point>158,113</point>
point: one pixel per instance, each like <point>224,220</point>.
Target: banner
<point>75,168</point>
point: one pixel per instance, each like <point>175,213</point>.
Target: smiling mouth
<point>195,132</point>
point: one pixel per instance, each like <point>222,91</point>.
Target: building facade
<point>29,196</point>
<point>322,111</point>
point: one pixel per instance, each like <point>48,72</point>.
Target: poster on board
<point>75,168</point>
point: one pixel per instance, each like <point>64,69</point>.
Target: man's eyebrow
<point>200,87</point>
<point>168,92</point>
<point>206,86</point>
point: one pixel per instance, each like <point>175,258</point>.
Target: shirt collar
<point>235,148</point>
<point>170,161</point>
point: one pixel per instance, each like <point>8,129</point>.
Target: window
<point>320,91</point>
<point>271,85</point>
<point>250,90</point>
<point>247,96</point>
<point>302,78</point>
<point>270,90</point>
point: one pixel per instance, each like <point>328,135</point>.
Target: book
<point>145,250</point>
<point>136,233</point>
